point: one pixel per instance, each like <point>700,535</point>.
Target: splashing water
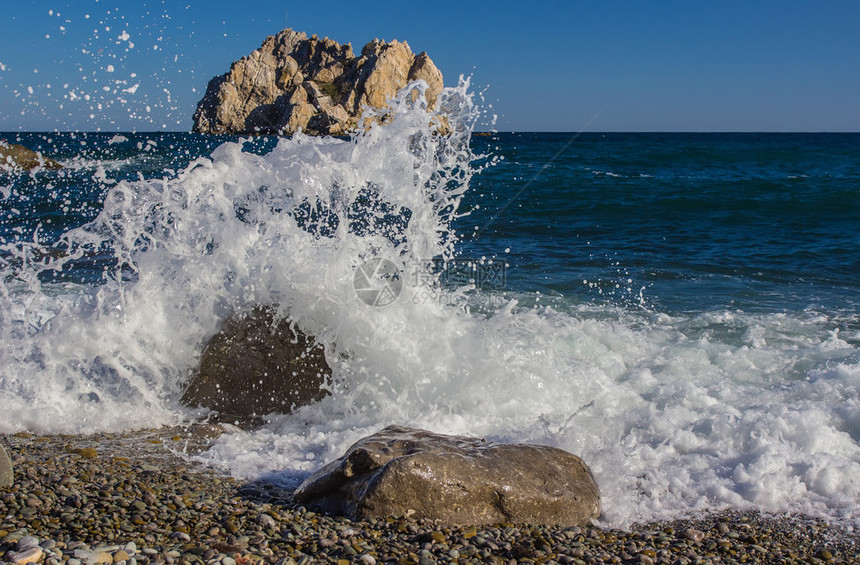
<point>674,414</point>
<point>288,228</point>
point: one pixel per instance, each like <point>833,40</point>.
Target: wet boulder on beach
<point>457,480</point>
<point>256,365</point>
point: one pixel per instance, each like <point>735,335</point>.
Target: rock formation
<point>457,480</point>
<point>255,366</point>
<point>17,157</point>
<point>315,85</point>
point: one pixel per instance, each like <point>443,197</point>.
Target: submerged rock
<point>454,479</point>
<point>255,366</point>
<point>316,85</point>
<point>18,157</point>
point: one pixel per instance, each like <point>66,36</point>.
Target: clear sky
<point>610,65</point>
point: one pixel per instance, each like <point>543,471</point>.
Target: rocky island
<point>19,158</point>
<point>318,86</point>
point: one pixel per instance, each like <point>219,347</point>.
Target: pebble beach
<point>139,499</point>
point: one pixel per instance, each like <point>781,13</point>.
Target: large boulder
<point>17,157</point>
<point>454,479</point>
<point>257,365</point>
<point>294,82</point>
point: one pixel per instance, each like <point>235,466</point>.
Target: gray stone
<point>27,542</point>
<point>257,365</point>
<point>259,93</point>
<point>454,479</point>
<point>7,475</point>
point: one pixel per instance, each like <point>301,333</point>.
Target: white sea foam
<point>672,417</point>
<point>673,414</point>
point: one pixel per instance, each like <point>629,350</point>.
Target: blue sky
<point>692,65</point>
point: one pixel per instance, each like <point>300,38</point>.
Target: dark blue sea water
<point>682,310</point>
<point>763,222</point>
<point>759,222</point>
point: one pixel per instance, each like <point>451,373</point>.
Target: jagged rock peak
<point>293,82</point>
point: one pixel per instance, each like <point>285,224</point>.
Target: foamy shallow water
<point>674,413</point>
<point>671,421</point>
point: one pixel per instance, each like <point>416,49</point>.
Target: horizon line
<point>482,132</point>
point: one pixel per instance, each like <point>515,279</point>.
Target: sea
<point>681,310</point>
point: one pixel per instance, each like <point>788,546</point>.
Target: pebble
<point>29,555</point>
<point>27,542</point>
<point>96,557</point>
<point>266,521</point>
<point>136,502</point>
<point>693,534</point>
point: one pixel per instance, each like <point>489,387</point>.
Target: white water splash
<point>237,229</point>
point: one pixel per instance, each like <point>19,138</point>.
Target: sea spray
<point>231,231</point>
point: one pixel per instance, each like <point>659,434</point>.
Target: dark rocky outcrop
<point>257,365</point>
<point>317,85</point>
<point>18,157</point>
<point>457,480</point>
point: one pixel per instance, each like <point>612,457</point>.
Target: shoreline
<point>133,498</point>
